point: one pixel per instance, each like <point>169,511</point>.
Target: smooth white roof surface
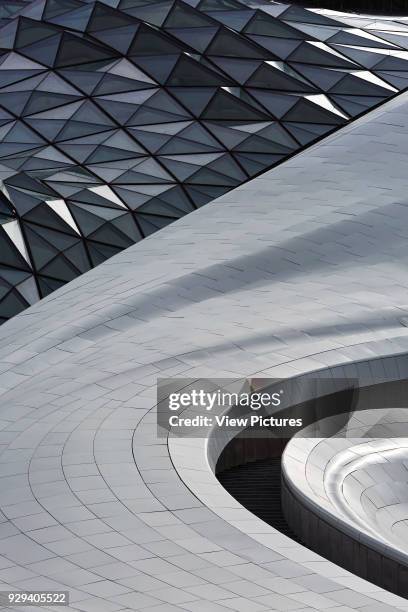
<point>302,268</point>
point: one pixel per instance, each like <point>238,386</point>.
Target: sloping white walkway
<point>303,267</point>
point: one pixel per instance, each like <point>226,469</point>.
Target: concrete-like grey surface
<point>302,268</point>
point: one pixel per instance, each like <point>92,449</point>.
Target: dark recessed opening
<point>257,487</point>
<point>249,468</point>
<point>384,7</point>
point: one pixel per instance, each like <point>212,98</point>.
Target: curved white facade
<point>359,486</point>
<point>302,268</point>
